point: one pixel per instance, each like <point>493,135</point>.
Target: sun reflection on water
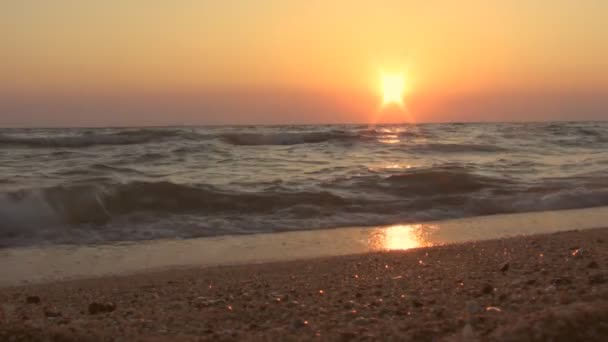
<point>389,135</point>
<point>398,166</point>
<point>389,139</point>
<point>390,167</point>
<point>402,237</point>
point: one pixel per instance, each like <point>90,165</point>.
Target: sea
<point>83,186</point>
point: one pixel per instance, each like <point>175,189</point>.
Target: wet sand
<point>44,264</point>
<point>540,287</point>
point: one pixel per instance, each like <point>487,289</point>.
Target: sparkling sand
<point>541,287</point>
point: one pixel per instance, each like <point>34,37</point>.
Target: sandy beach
<point>541,287</point>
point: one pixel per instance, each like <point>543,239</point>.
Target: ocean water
<point>91,186</point>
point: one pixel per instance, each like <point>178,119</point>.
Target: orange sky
<point>121,62</point>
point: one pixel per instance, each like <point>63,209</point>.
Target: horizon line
<point>302,124</point>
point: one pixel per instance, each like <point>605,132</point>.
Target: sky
<point>188,62</point>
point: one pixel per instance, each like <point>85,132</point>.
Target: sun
<point>393,89</point>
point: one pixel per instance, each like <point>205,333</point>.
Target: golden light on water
<point>389,135</point>
<point>402,237</point>
<point>390,167</point>
<point>390,139</point>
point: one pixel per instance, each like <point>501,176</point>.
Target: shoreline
<point>534,287</point>
<point>32,265</point>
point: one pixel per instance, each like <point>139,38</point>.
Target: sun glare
<point>393,88</point>
<point>401,237</point>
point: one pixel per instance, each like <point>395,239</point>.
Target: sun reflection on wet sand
<point>402,237</point>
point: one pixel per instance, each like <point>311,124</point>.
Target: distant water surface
<point>81,186</point>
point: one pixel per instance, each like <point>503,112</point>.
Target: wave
<point>188,182</point>
<point>295,138</point>
<point>444,181</point>
<point>99,203</point>
<point>257,139</point>
<point>131,211</point>
<point>411,132</point>
<point>458,148</point>
<point>129,137</point>
<point>82,203</point>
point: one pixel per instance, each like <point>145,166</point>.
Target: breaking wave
<point>429,194</point>
<point>99,203</point>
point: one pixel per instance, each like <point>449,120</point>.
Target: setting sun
<point>393,88</point>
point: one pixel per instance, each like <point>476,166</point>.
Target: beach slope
<point>541,287</point>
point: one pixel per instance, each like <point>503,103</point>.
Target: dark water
<point>100,185</point>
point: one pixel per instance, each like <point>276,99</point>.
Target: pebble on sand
<point>97,308</point>
<point>487,289</point>
<point>52,314</point>
<point>299,323</point>
<point>467,333</point>
<point>472,307</point>
<point>597,278</point>
<point>32,300</point>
